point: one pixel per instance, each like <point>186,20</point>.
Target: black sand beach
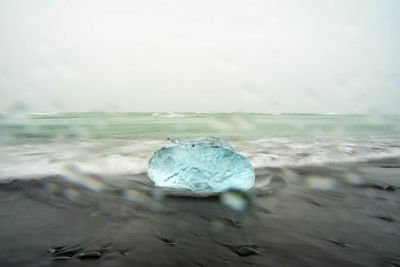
<point>336,215</point>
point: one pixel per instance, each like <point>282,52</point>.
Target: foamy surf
<point>107,158</point>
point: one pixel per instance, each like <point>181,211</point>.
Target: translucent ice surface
<point>206,165</point>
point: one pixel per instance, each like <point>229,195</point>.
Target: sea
<point>120,144</point>
<point>74,188</point>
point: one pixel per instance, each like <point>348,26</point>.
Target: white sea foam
<point>124,158</point>
<point>285,152</point>
<point>169,115</point>
<point>44,113</point>
<point>97,158</point>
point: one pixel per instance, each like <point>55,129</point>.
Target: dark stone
<point>168,241</point>
<point>390,188</point>
<point>89,255</point>
<point>246,251</point>
<point>341,244</point>
<point>388,219</point>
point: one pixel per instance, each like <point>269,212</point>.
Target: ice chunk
<point>206,165</point>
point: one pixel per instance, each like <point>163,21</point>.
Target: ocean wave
<point>168,115</point>
<point>44,113</point>
<point>287,152</point>
<point>121,158</point>
<point>116,158</point>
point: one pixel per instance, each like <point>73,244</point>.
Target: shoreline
<point>342,214</point>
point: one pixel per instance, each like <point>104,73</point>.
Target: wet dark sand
<point>338,215</point>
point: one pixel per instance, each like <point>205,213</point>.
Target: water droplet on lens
<point>353,178</point>
<point>234,200</point>
<point>320,182</point>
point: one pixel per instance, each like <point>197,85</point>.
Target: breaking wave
<point>109,158</point>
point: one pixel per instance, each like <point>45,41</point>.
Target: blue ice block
<point>202,165</point>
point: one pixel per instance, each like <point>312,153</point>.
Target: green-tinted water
<point>122,143</point>
<point>231,126</point>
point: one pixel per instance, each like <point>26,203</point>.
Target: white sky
<point>204,55</point>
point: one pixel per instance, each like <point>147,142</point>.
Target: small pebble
<point>388,219</point>
<point>390,188</point>
<point>246,251</point>
<point>89,255</point>
<point>62,258</point>
<point>168,241</point>
<point>342,244</point>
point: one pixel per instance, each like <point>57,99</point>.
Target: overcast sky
<point>206,55</point>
